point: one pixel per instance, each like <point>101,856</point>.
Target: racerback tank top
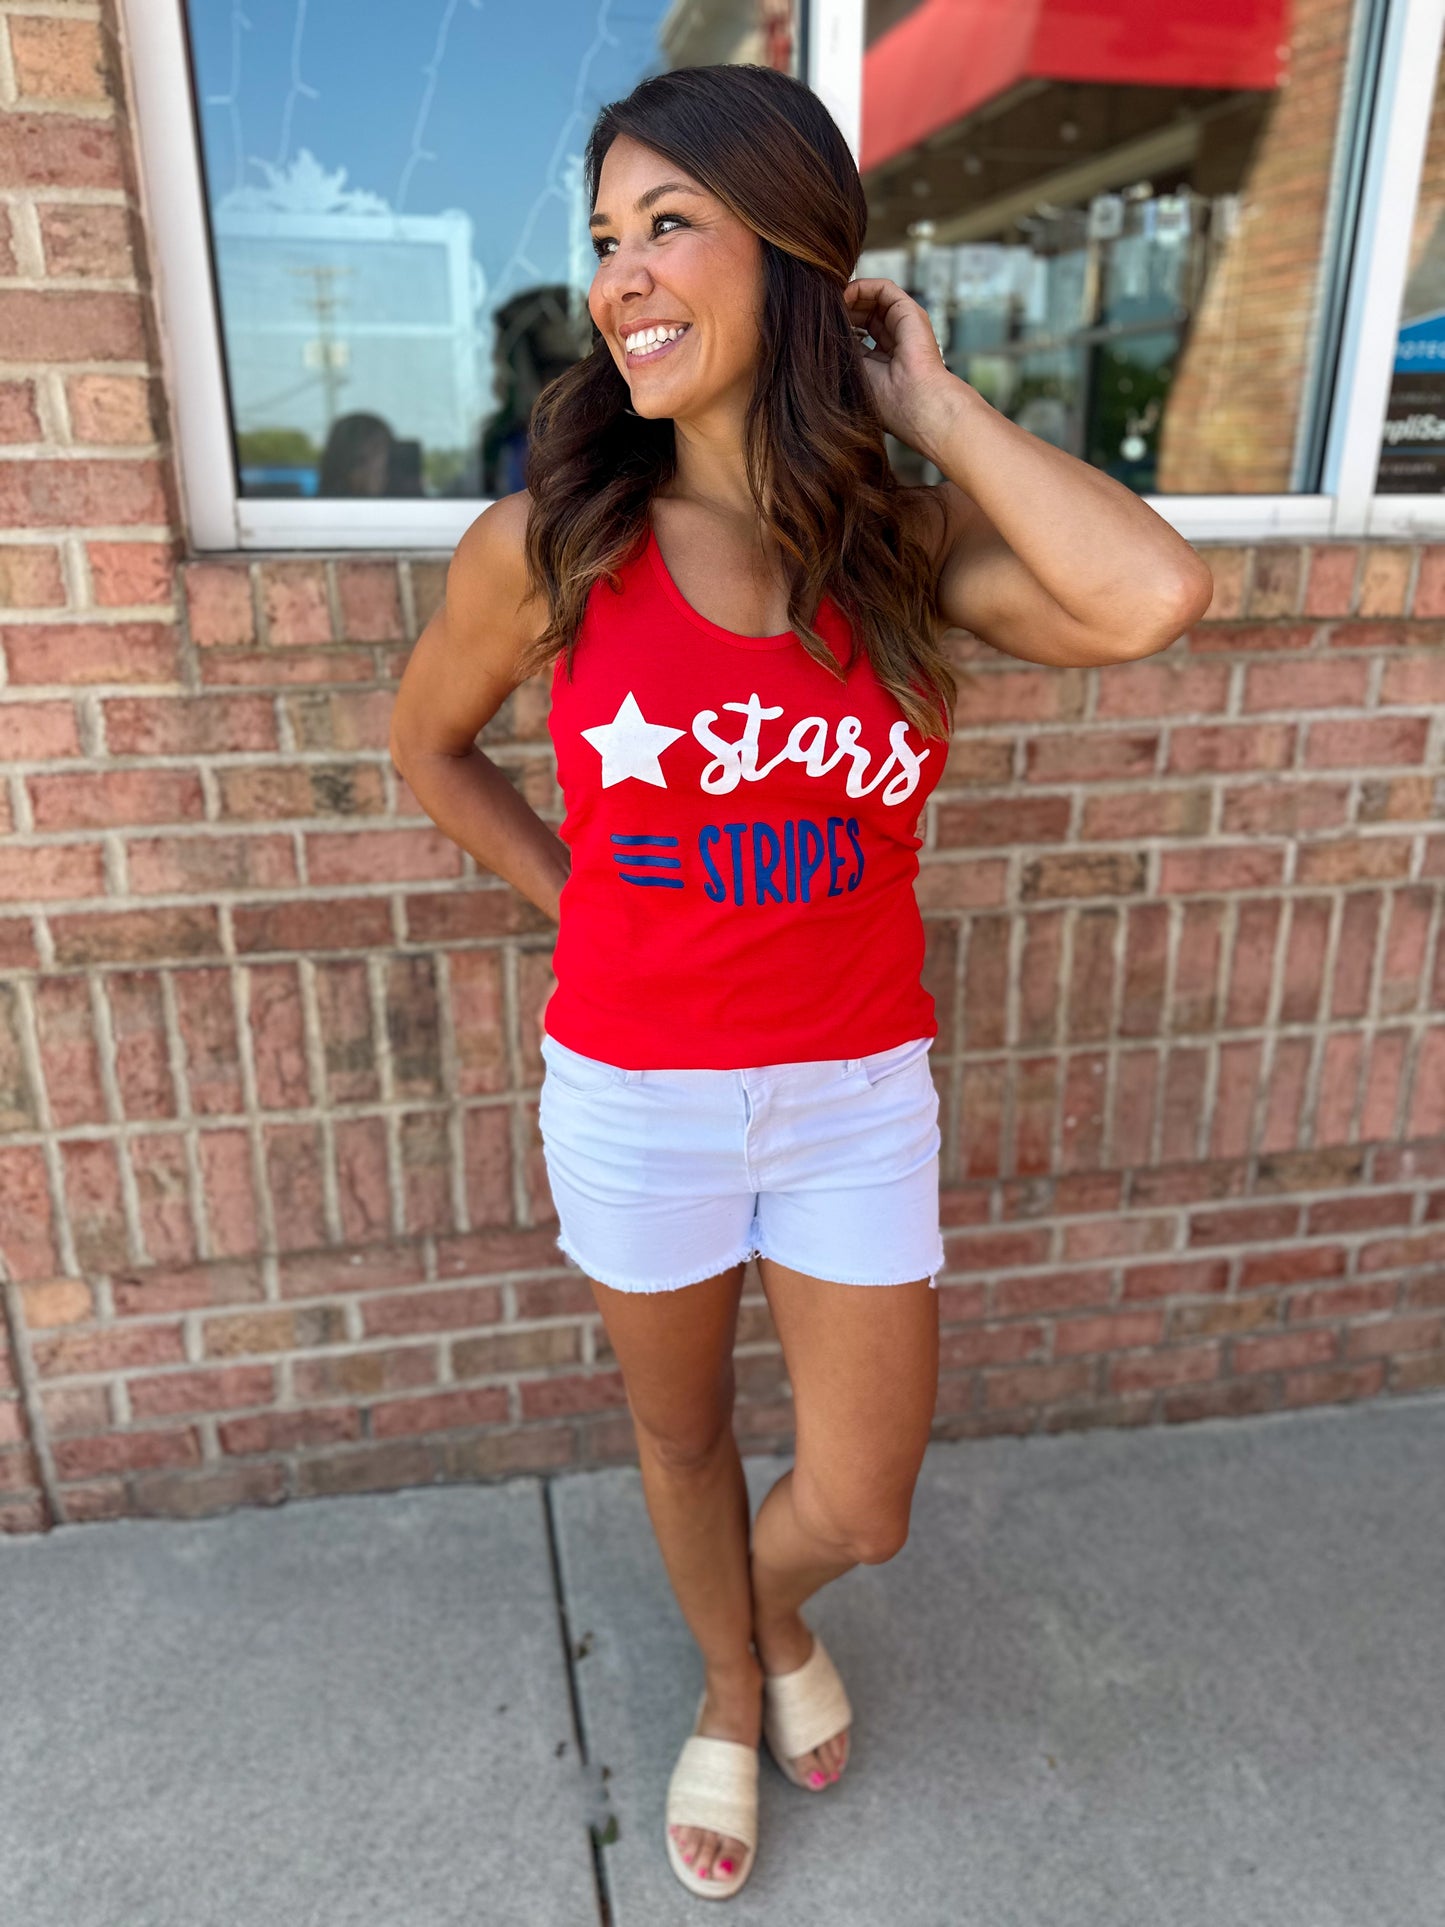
<point>744,829</point>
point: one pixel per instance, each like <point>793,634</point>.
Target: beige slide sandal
<point>714,1785</point>
<point>803,1708</point>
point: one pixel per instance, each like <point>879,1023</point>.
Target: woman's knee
<point>862,1525</point>
<point>685,1441</point>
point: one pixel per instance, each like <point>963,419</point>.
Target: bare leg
<point>674,1349</point>
<point>863,1360</point>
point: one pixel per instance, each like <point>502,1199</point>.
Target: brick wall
<point>273,1212</point>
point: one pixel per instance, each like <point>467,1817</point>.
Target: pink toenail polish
<point>725,1866</point>
<point>702,1873</point>
<point>815,1778</point>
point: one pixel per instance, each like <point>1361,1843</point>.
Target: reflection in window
<point>1412,444</point>
<point>1115,213</point>
<point>398,219</point>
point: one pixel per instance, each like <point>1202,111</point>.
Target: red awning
<point>949,56</point>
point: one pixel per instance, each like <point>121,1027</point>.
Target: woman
<point>751,702</point>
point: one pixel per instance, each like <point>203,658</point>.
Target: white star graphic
<point>630,745</point>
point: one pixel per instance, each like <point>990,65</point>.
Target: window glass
<point>399,220</point>
<point>1412,445</point>
<point>1119,215</point>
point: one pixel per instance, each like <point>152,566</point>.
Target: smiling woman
<point>751,705</point>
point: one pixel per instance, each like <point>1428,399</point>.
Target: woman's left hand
<point>912,386</point>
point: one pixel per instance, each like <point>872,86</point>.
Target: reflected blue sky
<point>452,103</point>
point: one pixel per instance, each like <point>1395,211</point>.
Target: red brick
<point>1104,756</point>
<point>1084,874</point>
<point>1091,986</point>
<point>563,1396</point>
<point>992,1345</point>
<point>125,1452</point>
<point>1150,689</point>
<point>218,598</point>
<point>1427,1103</point>
<point>1132,1124</point>
<point>1036,1384</point>
<point>1021,696</point>
<point>294,600</point>
<point>1173,1365</point>
<point>49,149</point>
<point>1039,985</point>
<point>1035,1103</point>
<point>440,1411</point>
<point>1292,1265</point>
<point>69,1051</point>
<point>1385,578</point>
<point>199,1391</point>
<point>38,731</point>
<point>1338,684</point>
<point>1414,682</point>
<point>995,1250</point>
<point>1221,868</point>
<point>58,60</point>
<point>1020,819</point>
<point>1365,742</point>
<point>1193,1004</point>
<point>1330,585</point>
<point>1354,860</point>
<point>983,1092</point>
<point>127,574</point>
<point>30,577</point>
<point>1285,1351</point>
<point>1252,963</point>
<point>1226,748</point>
<point>1232,1122</point>
<point>115,798</point>
<point>381,856</point>
<point>986,984</point>
<point>93,652</point>
<point>369,597</point>
<point>1182,1277</point>
<point>1339,1087</point>
<point>943,885</point>
<point>1355,962</point>
<point>1284,809</point>
<point>1127,814</point>
<point>189,725</point>
<point>206,1022</point>
<point>1386,1336</point>
<point>134,936</point>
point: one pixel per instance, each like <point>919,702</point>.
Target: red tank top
<point>743,829</point>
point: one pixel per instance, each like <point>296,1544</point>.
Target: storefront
<point>279,284</point>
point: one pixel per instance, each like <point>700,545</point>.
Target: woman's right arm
<point>461,671</point>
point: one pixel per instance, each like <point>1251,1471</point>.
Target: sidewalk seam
<point>579,1725</point>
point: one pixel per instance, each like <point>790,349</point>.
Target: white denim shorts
<point>662,1178</point>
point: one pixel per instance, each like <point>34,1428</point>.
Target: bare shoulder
<point>467,659</point>
<point>486,599</point>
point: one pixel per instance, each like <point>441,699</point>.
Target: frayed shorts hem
<point>740,1256</point>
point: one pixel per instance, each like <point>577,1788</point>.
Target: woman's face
<point>681,258</point>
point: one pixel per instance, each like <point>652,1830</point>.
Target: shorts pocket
<point>577,1072</point>
<point>881,1064</point>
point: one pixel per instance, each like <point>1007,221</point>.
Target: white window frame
<point>219,519</point>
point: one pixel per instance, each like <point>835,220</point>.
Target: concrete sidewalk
<point>1190,1675</point>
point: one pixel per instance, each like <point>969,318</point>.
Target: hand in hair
<point>905,371</point>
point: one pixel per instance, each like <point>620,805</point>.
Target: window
<point>1195,245</point>
<point>1122,230</point>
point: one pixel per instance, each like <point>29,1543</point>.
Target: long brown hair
<point>817,465</point>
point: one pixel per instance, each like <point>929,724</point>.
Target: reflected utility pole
<point>328,353</point>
